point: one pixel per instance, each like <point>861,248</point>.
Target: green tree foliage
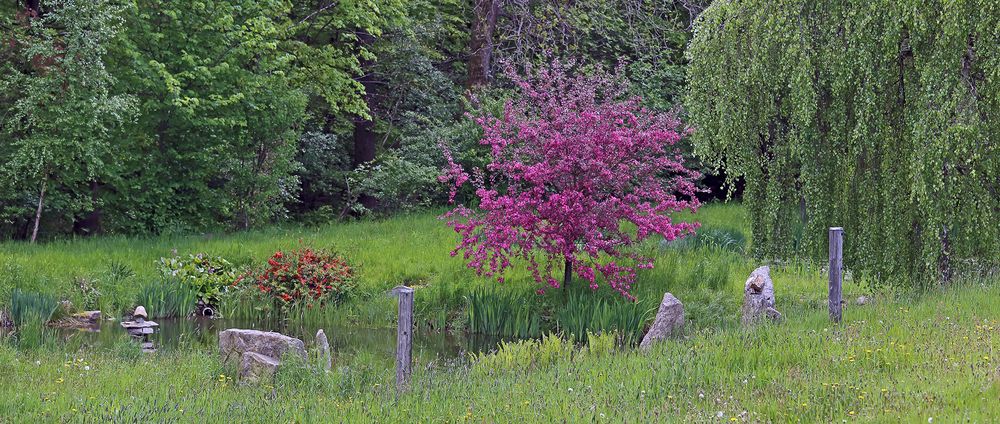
<point>215,140</point>
<point>648,36</point>
<point>59,112</point>
<point>878,116</point>
<point>416,101</point>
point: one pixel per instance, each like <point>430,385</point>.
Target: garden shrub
<point>305,277</point>
<point>209,276</point>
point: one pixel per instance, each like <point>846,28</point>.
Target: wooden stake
<point>836,272</point>
<point>404,337</point>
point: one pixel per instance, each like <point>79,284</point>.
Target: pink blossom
<point>578,172</point>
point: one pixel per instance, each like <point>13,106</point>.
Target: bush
<point>305,277</point>
<point>208,276</point>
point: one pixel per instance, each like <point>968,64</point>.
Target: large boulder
<point>234,342</point>
<point>669,320</point>
<point>758,297</point>
<point>255,367</point>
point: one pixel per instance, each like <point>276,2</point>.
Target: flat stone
<point>139,324</point>
<point>91,316</point>
<point>255,367</point>
<point>88,321</point>
<point>669,320</point>
<point>758,297</point>
<point>235,342</point>
<point>323,348</point>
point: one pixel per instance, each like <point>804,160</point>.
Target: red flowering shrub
<point>305,277</point>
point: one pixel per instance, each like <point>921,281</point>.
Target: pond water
<point>345,340</point>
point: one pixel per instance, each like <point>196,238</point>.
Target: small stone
<point>140,312</point>
<point>669,320</point>
<point>234,342</point>
<point>862,300</point>
<point>255,367</point>
<point>758,297</point>
<point>323,348</point>
<point>91,316</point>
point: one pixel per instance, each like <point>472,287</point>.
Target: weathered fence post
<point>404,336</point>
<point>836,271</point>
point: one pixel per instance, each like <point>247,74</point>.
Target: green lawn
<point>907,357</point>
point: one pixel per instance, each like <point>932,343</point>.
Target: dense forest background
<point>154,116</point>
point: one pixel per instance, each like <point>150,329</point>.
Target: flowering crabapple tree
<point>578,174</point>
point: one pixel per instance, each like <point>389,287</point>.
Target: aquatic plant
<point>165,298</point>
<point>504,313</point>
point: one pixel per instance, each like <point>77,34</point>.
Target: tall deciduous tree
<point>484,23</point>
<point>572,160</point>
<point>878,116</point>
<point>215,141</point>
<point>61,124</point>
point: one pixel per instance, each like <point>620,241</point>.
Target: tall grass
<point>927,356</point>
<point>504,313</point>
<point>30,312</point>
<point>586,313</point>
<point>166,298</point>
<point>26,307</point>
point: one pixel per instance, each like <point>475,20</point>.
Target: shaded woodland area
<point>150,116</point>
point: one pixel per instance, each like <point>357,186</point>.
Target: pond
<point>345,340</point>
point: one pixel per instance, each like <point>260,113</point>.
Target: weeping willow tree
<point>881,116</point>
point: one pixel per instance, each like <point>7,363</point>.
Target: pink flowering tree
<point>574,161</point>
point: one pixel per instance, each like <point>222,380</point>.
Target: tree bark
<point>38,212</point>
<point>484,22</point>
<point>364,129</point>
<point>33,6</point>
<point>567,274</point>
<point>91,222</point>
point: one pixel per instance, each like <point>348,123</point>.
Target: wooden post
<point>404,337</point>
<point>836,270</point>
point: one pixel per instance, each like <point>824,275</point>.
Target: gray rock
<point>255,367</point>
<point>758,297</point>
<point>323,349</point>
<point>92,317</point>
<point>234,342</point>
<point>669,320</point>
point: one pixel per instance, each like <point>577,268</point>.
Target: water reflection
<point>344,340</point>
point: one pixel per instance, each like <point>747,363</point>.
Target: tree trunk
<point>38,212</point>
<point>944,261</point>
<point>484,22</point>
<point>567,275</point>
<point>91,222</point>
<point>33,7</point>
<point>364,129</point>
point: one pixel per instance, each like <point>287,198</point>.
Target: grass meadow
<point>907,356</point>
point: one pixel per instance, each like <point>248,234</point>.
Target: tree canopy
<point>877,116</point>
